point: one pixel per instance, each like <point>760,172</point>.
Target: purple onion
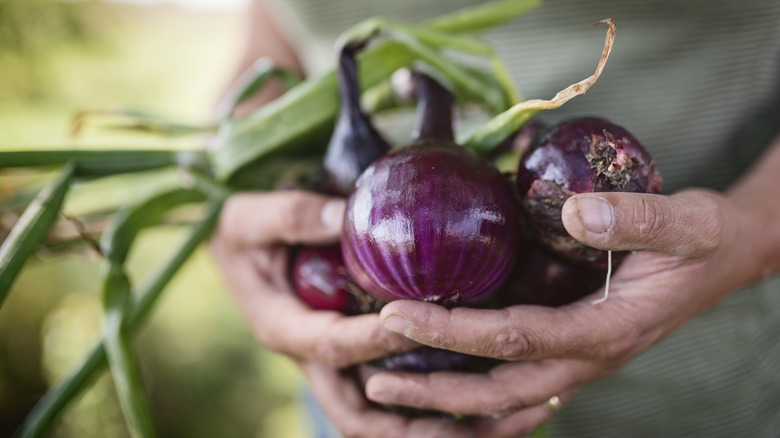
<point>544,279</point>
<point>581,155</point>
<point>424,360</point>
<point>320,279</point>
<point>430,221</point>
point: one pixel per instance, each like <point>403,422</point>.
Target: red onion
<point>544,279</point>
<point>580,155</point>
<point>424,360</point>
<point>320,279</point>
<point>430,221</point>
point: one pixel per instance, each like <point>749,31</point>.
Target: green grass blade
<point>484,16</point>
<point>300,118</point>
<point>129,221</point>
<point>137,120</point>
<point>252,81</point>
<point>32,227</point>
<point>101,162</point>
<point>41,419</point>
<point>121,355</point>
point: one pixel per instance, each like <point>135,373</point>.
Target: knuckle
<point>710,226</point>
<point>353,429</point>
<point>270,342</point>
<point>506,403</point>
<point>649,219</point>
<point>331,354</point>
<point>294,213</point>
<point>512,344</point>
<point>619,347</point>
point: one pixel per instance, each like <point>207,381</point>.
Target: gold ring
<point>554,404</point>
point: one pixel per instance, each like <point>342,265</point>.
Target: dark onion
<point>355,142</point>
<point>430,221</point>
<point>424,360</point>
<point>544,279</point>
<point>581,155</point>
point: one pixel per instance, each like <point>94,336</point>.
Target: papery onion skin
<point>580,155</point>
<point>430,222</point>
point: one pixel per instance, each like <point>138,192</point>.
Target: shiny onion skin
<point>581,155</point>
<point>320,279</point>
<point>430,222</point>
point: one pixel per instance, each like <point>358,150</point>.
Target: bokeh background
<point>205,372</point>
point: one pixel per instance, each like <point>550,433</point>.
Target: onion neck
<point>349,84</point>
<point>434,111</point>
<point>355,142</point>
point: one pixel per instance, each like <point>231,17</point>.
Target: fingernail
<point>332,214</point>
<point>595,213</point>
<point>396,324</point>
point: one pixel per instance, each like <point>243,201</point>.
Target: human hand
<point>692,250</point>
<point>251,248</point>
<point>342,398</point>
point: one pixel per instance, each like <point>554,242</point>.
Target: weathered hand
<point>251,247</point>
<point>691,250</point>
<point>344,402</point>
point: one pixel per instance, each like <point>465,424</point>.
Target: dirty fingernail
<point>396,324</point>
<point>595,213</point>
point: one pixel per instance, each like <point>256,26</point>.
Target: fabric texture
<point>698,82</point>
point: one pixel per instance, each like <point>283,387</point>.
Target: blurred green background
<point>205,373</point>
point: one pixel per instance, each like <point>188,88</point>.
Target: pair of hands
<point>690,249</point>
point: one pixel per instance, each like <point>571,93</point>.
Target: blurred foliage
<point>205,372</point>
<point>31,31</point>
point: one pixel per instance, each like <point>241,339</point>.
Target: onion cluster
<point>433,221</point>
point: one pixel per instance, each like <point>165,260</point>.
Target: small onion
<point>544,279</point>
<point>320,279</point>
<point>581,155</point>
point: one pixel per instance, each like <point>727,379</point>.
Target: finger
<point>502,391</point>
<point>686,224</point>
<point>328,337</point>
<point>344,402</point>
<point>521,423</point>
<point>291,217</point>
<point>285,324</point>
<point>579,330</point>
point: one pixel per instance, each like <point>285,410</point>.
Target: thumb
<point>686,224</point>
<point>290,217</point>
